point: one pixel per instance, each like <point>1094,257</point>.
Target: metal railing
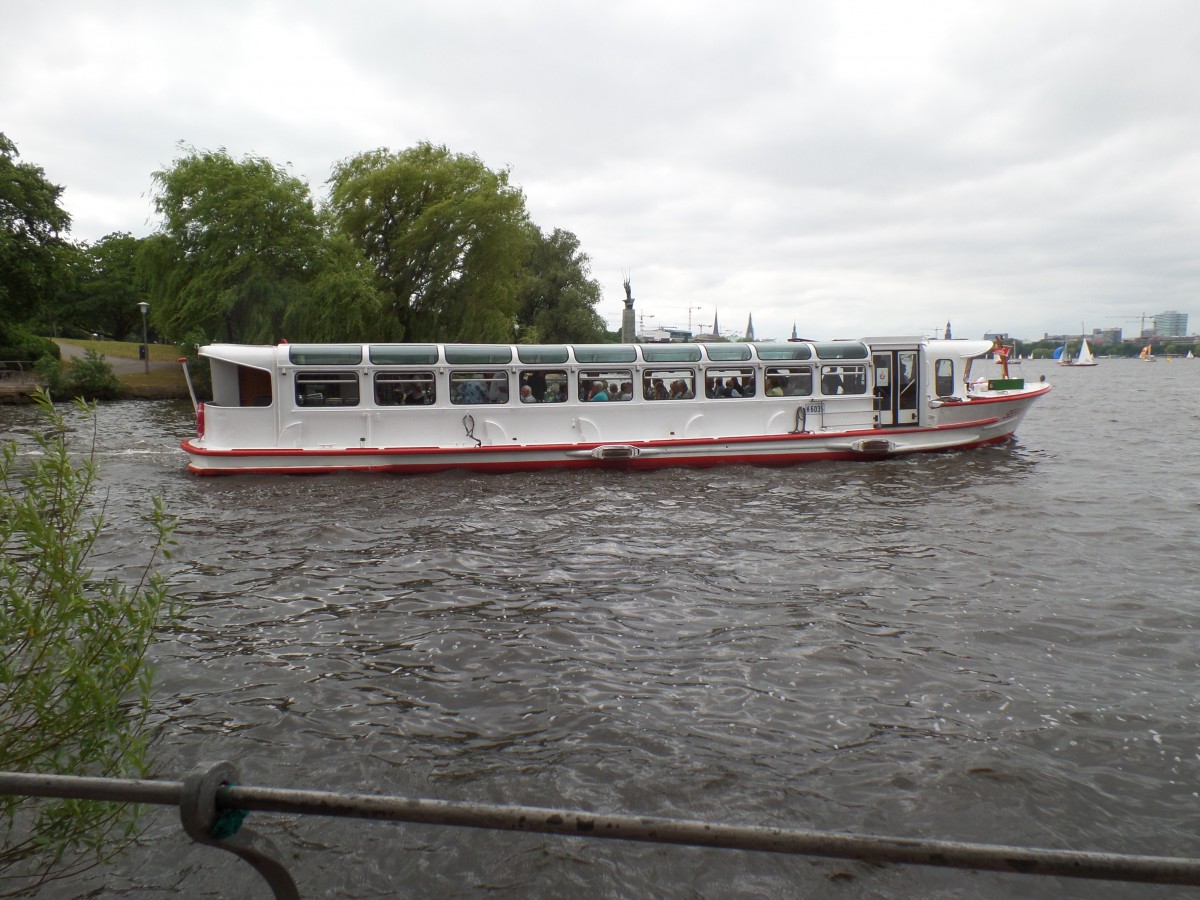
<point>212,806</point>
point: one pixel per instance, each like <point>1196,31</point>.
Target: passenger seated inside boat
<point>527,394</point>
<point>774,388</point>
<point>597,392</point>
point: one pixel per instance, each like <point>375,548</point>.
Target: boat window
<point>671,353</point>
<point>545,385</point>
<point>478,354</point>
<point>326,389</point>
<point>843,380</point>
<point>404,388</point>
<point>842,350</point>
<point>783,351</point>
<point>325,354</point>
<point>726,382</point>
<point>531,353</point>
<point>604,353</point>
<point>606,384</point>
<point>479,386</point>
<point>727,352</point>
<point>943,378</point>
<point>669,384</point>
<point>789,381</point>
<point>403,354</point>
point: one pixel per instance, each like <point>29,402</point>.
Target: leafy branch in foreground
<point>74,684</point>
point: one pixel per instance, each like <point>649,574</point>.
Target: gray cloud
<point>852,167</point>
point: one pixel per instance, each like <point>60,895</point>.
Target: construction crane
<point>1142,319</point>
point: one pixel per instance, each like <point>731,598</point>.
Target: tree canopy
<point>558,297</point>
<point>31,227</point>
<point>104,291</point>
<point>446,237</point>
<point>236,250</point>
<point>419,245</point>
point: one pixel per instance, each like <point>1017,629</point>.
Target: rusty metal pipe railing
<point>211,791</point>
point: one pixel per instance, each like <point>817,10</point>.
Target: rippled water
<point>993,646</point>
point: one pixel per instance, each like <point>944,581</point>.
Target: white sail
<point>1085,357</point>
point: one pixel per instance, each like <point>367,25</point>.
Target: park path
<point>120,364</point>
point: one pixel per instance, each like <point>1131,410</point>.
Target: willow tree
<point>558,298</point>
<point>236,248</point>
<point>446,237</point>
<point>75,690</point>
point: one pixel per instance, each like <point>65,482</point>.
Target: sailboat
<point>1190,355</point>
<point>1083,358</point>
<point>1147,354</point>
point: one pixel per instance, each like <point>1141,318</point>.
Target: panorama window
<point>478,354</point>
<point>842,350</point>
<point>843,380</point>
<point>671,353</point>
<point>727,352</point>
<point>669,384</point>
<point>604,353</point>
<point>605,384</point>
<point>327,389</point>
<point>789,381</point>
<point>404,389</point>
<point>783,351</point>
<point>728,383</point>
<point>543,385</point>
<point>535,355</point>
<point>479,386</point>
<point>325,354</point>
<point>403,354</point>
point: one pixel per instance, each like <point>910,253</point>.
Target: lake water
<point>995,646</point>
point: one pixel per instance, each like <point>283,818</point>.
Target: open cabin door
<point>254,387</point>
<point>897,386</point>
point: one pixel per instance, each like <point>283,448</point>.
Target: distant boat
<point>1189,355</point>
<point>1059,352</point>
<point>1148,354</point>
<point>1084,358</point>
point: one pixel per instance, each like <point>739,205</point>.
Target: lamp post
<point>145,308</point>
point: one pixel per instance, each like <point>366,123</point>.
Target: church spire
<point>750,328</point>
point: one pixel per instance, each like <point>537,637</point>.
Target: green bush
<point>18,344</point>
<point>74,687</point>
<point>90,377</point>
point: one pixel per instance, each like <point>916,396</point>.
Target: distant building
<point>1170,324</point>
<point>665,336</point>
<point>1103,337</point>
<point>750,328</point>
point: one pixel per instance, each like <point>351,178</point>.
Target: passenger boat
<point>408,408</point>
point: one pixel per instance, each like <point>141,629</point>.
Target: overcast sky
<point>852,168</point>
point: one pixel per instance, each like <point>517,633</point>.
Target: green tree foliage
<point>236,248</point>
<point>31,222</point>
<point>446,237</point>
<point>74,687</point>
<point>19,344</point>
<point>107,287</point>
<point>90,376</point>
<point>342,303</point>
<point>558,297</point>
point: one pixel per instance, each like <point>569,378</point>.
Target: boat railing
<point>213,806</point>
